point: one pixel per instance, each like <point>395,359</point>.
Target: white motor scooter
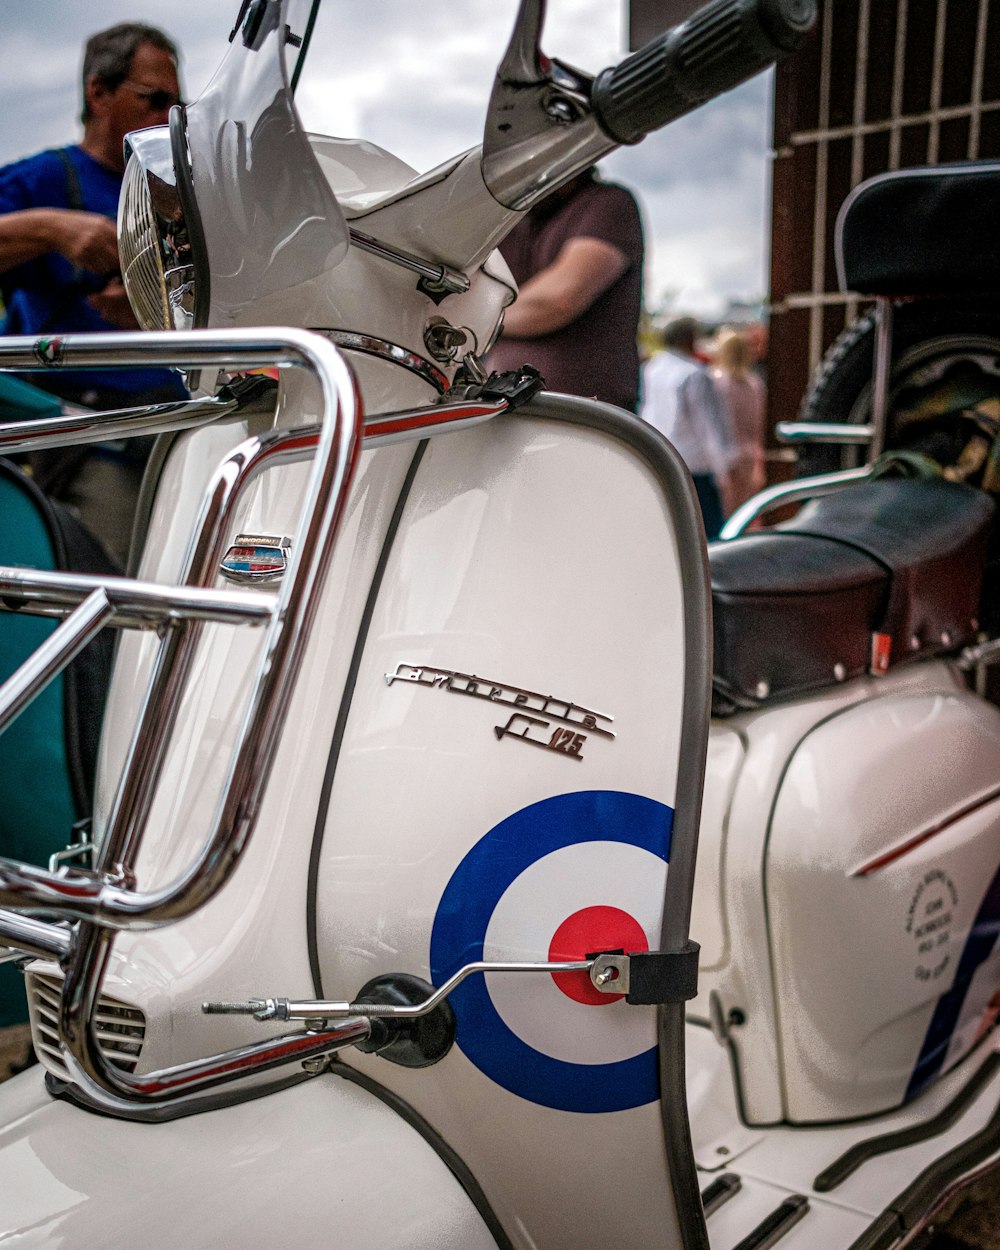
<point>384,934</point>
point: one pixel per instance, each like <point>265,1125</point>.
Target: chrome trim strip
<point>349,340</point>
<point>823,432</point>
<point>924,835</point>
<point>438,278</point>
<point>411,423</point>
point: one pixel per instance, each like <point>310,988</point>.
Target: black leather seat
<point>858,581</point>
<point>934,230</point>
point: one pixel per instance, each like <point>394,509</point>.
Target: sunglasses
<point>155,100</point>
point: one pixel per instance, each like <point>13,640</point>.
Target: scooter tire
<point>930,338</point>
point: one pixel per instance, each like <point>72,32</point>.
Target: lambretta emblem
<point>540,720</point>
<point>256,558</point>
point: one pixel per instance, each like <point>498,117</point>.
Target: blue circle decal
<point>463,917</point>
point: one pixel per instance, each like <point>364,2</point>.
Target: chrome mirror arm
<point>540,128</point>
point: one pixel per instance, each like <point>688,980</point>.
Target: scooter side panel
<point>884,843</point>
<point>534,588</point>
<point>302,1170</point>
<point>710,926</point>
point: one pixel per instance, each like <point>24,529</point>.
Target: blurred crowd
<point>706,392</point>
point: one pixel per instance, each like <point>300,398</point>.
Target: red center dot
<point>586,932</point>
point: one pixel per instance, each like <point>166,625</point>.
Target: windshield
<point>415,79</point>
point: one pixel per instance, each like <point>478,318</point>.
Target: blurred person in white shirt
<point>679,399</point>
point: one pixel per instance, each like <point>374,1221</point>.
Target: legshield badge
<point>256,558</point>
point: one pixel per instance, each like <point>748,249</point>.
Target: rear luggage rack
<point>99,1050</point>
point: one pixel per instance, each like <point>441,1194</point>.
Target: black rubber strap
<point>656,977</point>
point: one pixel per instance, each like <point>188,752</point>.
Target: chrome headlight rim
<point>164,260</point>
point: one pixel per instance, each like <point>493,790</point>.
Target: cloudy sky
<point>415,79</point>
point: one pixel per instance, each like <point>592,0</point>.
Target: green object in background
<point>20,401</point>
<point>37,811</point>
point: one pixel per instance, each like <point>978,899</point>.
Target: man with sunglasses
<point>59,266</point>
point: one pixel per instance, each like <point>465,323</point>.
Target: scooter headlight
<point>153,236</point>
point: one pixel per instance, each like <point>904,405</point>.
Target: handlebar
<point>547,121</point>
<point>719,47</point>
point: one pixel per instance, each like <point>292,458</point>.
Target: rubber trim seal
<point>323,808</point>
<point>449,1157</point>
<point>773,1227</point>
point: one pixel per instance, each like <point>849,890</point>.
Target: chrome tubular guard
<point>97,903</point>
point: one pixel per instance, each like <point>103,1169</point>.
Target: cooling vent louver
<point>120,1029</point>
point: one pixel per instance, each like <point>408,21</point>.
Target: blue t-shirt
<point>47,295</point>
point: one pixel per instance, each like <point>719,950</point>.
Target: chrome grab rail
<point>102,901</point>
<point>106,897</point>
<point>787,493</point>
<point>135,604</point>
<point>35,937</point>
<point>824,432</point>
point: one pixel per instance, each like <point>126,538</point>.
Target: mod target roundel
<point>558,880</point>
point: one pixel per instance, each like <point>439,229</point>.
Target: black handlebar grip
<point>717,48</point>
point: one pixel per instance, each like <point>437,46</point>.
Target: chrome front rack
<point>102,901</point>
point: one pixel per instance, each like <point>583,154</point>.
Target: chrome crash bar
<point>101,901</point>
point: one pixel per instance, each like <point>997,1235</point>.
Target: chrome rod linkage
<point>608,974</point>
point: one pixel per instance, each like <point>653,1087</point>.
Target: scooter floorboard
<point>781,1163</point>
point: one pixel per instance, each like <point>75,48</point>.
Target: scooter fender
<point>296,1169</point>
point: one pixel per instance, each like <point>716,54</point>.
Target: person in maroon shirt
<point>577,258</point>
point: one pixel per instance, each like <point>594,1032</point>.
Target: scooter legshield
<point>518,777</point>
<point>514,771</point>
